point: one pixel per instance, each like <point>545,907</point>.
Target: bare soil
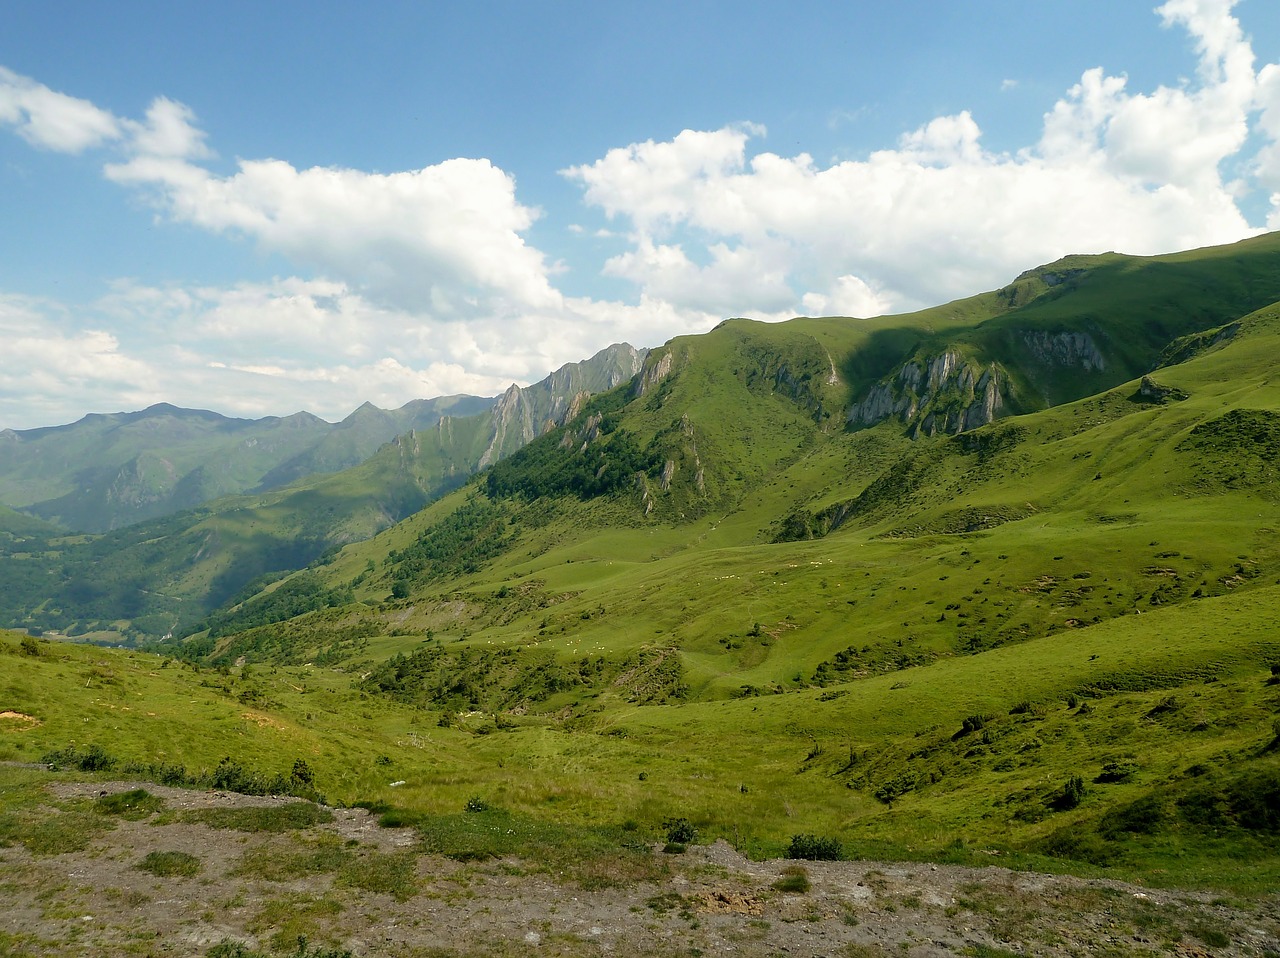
<point>708,901</point>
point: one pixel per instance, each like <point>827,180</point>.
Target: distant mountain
<point>108,471</point>
<point>164,572</point>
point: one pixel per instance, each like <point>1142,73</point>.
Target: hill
<point>1030,618</point>
<point>155,577</point>
<point>108,471</point>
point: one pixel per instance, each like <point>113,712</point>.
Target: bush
<point>94,758</point>
<point>29,645</point>
<point>476,804</point>
<point>302,776</point>
<point>680,831</point>
<point>1072,794</point>
<point>815,848</point>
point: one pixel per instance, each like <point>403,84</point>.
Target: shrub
<point>1071,795</point>
<point>680,831</point>
<point>94,758</point>
<point>476,804</point>
<point>302,776</point>
<point>815,848</point>
<point>29,645</point>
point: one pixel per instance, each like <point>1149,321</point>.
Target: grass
<point>393,874</point>
<point>318,854</point>
<point>793,881</point>
<point>294,920</point>
<point>46,830</point>
<point>290,816</point>
<point>592,857</point>
<point>1098,581</point>
<point>170,864</point>
<point>132,805</point>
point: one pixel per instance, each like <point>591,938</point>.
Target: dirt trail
<point>711,901</point>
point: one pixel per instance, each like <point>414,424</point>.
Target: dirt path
<point>334,884</point>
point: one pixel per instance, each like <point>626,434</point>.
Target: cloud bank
<point>424,282</point>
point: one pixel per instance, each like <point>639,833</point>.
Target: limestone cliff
<point>943,393</point>
<point>523,413</point>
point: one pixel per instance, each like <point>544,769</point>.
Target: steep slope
<point>155,577</point>
<point>359,436</point>
<point>705,598</point>
<point>1057,333</point>
<point>107,471</point>
<point>1054,634</point>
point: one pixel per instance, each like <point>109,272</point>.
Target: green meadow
<point>1050,642</point>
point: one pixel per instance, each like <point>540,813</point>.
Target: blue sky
<point>259,208</point>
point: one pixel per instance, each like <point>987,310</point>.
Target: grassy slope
<point>1098,582</point>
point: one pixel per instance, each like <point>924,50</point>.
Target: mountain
<point>163,574</point>
<point>359,436</point>
<point>108,471</point>
<point>999,575</point>
<point>996,582</point>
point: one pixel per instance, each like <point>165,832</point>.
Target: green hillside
<point>108,471</point>
<point>714,594</point>
<point>161,576</point>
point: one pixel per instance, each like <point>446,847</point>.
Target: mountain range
<point>996,578</point>
<point>190,505</point>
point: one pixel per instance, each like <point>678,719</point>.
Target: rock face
<point>1065,349</point>
<point>1151,391</point>
<point>654,372</point>
<point>523,413</point>
<point>946,393</point>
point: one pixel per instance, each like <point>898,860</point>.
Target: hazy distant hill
<point>107,471</point>
<point>174,568</point>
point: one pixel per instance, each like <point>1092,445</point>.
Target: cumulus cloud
<point>275,348</point>
<point>51,120</point>
<point>939,216</point>
<point>423,282</point>
<point>445,238</point>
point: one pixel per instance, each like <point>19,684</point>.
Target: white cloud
<point>169,131</point>
<point>422,282</point>
<point>848,296</point>
<point>445,239</point>
<point>50,120</point>
<point>939,216</point>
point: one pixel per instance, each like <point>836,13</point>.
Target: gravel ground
<point>709,901</point>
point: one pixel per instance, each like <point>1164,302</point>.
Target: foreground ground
<point>118,868</point>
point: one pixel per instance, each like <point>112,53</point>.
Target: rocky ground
<point>347,885</point>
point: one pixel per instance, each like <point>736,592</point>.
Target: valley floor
<point>192,873</point>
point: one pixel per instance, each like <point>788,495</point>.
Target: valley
<point>997,582</point>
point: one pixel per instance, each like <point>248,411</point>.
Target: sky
<point>265,208</point>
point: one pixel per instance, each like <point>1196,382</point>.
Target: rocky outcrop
<point>523,413</point>
<point>655,371</point>
<point>1065,349</point>
<point>946,393</point>
<point>1151,391</point>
